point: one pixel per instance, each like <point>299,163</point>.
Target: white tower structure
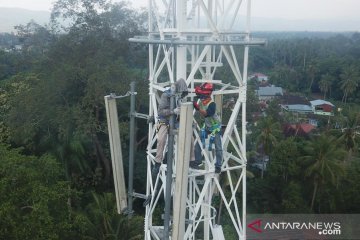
<point>193,40</point>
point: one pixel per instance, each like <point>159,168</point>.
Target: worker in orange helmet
<point>212,124</point>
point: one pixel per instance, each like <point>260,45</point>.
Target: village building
<point>269,93</point>
<point>321,107</point>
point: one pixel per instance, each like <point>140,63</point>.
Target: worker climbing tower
<point>199,41</point>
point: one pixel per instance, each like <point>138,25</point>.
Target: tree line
<point>329,66</point>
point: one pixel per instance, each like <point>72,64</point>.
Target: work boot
<point>155,169</point>
<point>217,169</point>
<point>199,162</point>
<point>194,165</point>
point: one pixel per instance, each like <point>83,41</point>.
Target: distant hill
<point>10,17</point>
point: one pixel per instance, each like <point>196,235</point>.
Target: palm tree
<point>267,139</point>
<point>349,82</point>
<point>106,224</point>
<point>322,162</point>
<point>312,71</point>
<point>351,133</point>
<point>325,83</point>
<point>282,163</point>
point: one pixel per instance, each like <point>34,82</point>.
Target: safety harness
<point>211,123</point>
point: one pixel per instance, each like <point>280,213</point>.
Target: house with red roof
<point>321,107</point>
<point>300,129</point>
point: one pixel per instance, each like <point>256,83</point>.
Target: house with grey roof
<point>268,93</point>
<point>297,108</point>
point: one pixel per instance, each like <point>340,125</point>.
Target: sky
<point>287,9</point>
<point>333,10</point>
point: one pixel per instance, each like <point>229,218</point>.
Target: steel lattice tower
<point>192,39</point>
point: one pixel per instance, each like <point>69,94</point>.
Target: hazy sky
<point>287,9</point>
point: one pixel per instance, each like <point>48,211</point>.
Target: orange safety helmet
<point>204,89</point>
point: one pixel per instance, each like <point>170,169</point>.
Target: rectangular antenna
<point>116,154</point>
<point>182,168</point>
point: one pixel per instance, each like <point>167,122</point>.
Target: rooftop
<point>298,108</point>
<point>270,91</point>
<point>321,102</point>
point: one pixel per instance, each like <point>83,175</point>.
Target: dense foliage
<point>55,177</point>
<point>52,104</point>
<point>313,65</point>
<point>316,173</point>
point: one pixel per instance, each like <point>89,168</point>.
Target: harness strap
<point>161,123</point>
<point>213,129</point>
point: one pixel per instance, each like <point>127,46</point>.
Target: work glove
<point>196,105</point>
<point>177,111</point>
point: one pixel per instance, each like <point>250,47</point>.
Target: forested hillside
<point>55,177</point>
<point>327,65</point>
<point>318,172</point>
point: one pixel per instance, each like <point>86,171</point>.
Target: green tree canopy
<point>322,160</point>
<point>33,197</point>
